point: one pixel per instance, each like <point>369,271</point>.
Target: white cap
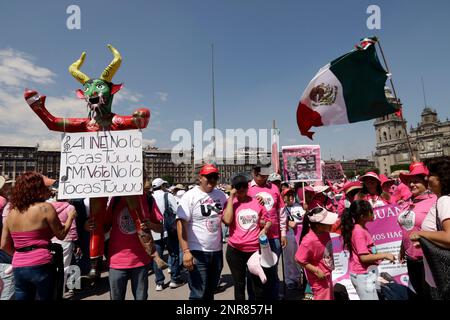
<point>180,193</point>
<point>274,177</point>
<point>323,216</point>
<point>320,189</point>
<point>158,182</point>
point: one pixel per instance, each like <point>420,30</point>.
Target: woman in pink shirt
<point>410,219</point>
<point>247,220</point>
<point>27,231</point>
<point>372,191</point>
<point>315,253</point>
<point>436,225</point>
<point>363,253</point>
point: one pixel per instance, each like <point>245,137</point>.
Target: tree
<point>396,167</point>
<point>350,174</point>
<point>169,179</point>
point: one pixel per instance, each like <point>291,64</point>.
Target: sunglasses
<point>212,177</point>
<point>241,185</point>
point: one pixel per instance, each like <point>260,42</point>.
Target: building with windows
<point>430,138</point>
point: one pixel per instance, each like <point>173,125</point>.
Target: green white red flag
<point>348,89</point>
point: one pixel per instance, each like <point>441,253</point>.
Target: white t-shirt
<point>203,212</point>
<point>429,224</point>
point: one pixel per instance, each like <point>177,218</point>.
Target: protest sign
<point>332,172</point>
<point>302,163</point>
<point>386,235</point>
<point>101,164</point>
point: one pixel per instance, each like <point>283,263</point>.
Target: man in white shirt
<point>169,238</point>
<point>199,224</point>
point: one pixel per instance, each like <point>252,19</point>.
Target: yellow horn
<point>76,73</point>
<point>110,70</point>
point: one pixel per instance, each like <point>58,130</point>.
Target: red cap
<point>208,169</point>
<point>416,168</point>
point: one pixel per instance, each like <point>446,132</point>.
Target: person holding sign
<point>410,219</point>
<point>128,260</point>
<point>363,253</point>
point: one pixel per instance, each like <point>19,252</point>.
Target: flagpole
<point>413,158</point>
<point>279,230</point>
<point>213,102</point>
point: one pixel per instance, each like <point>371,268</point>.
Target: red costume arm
<point>139,120</point>
<point>37,104</point>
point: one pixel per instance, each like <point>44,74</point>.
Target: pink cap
<point>323,216</point>
<point>370,174</point>
<point>416,168</point>
<point>352,185</point>
<point>385,179</point>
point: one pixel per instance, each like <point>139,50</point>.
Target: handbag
<point>438,259</point>
<point>58,268</point>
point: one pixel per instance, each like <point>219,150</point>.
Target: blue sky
<point>266,52</point>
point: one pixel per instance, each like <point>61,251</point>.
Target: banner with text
<point>301,163</point>
<point>101,164</point>
<point>387,236</point>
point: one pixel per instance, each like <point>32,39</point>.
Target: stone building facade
<point>430,138</point>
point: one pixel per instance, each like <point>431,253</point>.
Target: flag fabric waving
<point>348,89</point>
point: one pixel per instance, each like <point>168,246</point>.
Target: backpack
<point>170,224</point>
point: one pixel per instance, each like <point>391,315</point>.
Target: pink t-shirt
<point>400,192</point>
<point>125,249</point>
<point>410,219</point>
<point>63,209</point>
<point>272,203</point>
<point>362,243</point>
<point>374,200</point>
<point>245,227</point>
<point>318,251</point>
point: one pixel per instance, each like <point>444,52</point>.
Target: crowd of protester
<point>200,225</point>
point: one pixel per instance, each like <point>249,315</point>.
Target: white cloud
<point>126,94</point>
<point>19,125</point>
<point>162,96</point>
<point>17,68</point>
<point>148,142</point>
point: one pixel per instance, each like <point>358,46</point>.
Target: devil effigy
<point>99,94</point>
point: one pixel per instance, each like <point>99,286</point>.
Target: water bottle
<point>268,257</point>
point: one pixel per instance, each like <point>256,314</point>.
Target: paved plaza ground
<point>226,292</point>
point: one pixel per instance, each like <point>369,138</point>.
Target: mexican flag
<point>348,89</point>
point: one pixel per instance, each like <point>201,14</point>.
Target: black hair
<point>440,167</point>
<point>357,209</point>
<point>379,189</point>
<point>308,224</point>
